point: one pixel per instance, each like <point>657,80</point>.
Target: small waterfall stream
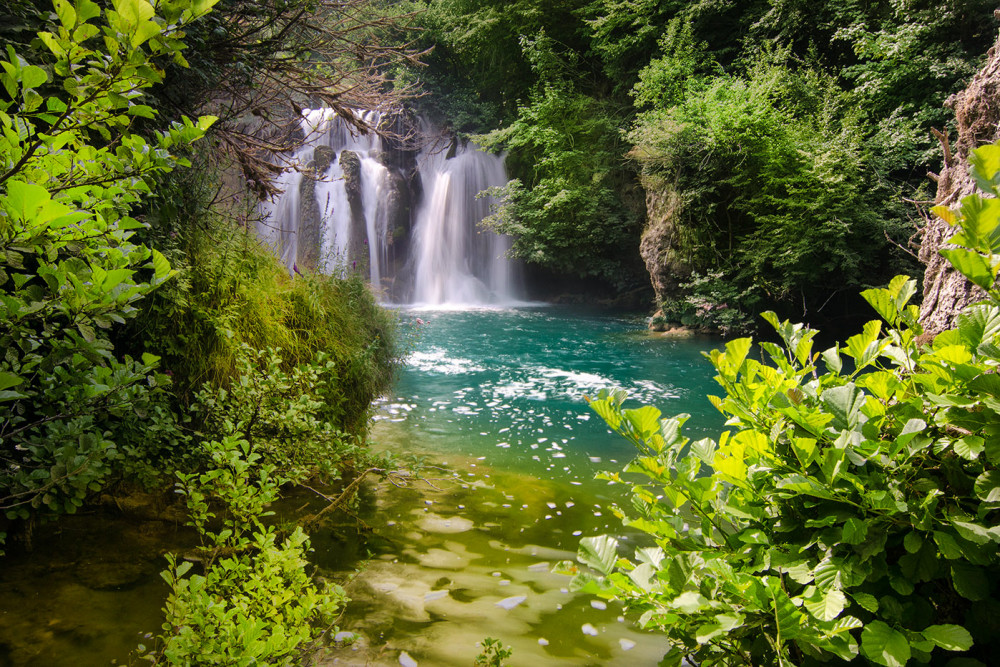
<point>408,219</point>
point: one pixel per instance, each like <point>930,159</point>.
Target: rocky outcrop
<point>660,246</point>
<point>311,227</point>
<point>977,108</point>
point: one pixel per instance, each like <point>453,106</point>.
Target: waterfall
<point>456,262</point>
<point>409,221</point>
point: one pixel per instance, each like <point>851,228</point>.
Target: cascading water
<point>456,262</point>
<point>354,210</point>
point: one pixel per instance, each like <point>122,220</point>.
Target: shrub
<point>255,602</point>
<point>231,295</point>
<point>712,301</point>
<point>71,172</point>
<point>848,508</point>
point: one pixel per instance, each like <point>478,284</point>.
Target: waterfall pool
<point>498,398</point>
<point>492,401</point>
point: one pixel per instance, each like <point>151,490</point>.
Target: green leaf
<point>985,165</point>
<point>644,420</point>
<point>912,542</point>
<point>868,602</point>
<point>884,646</point>
<point>826,606</point>
<point>805,450</point>
<point>949,637</point>
<point>855,531</point>
<point>973,532</point>
<point>24,199</point>
<point>972,265</point>
<point>969,447</point>
<point>142,111</point>
<point>947,545</point>
<point>831,358</point>
<point>988,486</point>
<point>970,581</point>
<point>845,403</point>
<point>33,76</point>
<point>86,331</point>
<point>8,380</point>
<point>600,553</point>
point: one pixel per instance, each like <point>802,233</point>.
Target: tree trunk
<point>977,108</point>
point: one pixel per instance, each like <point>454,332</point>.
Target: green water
<point>497,396</point>
<point>495,399</point>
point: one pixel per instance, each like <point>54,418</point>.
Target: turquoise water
<point>510,385</point>
<point>496,398</point>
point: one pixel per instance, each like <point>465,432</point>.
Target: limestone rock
<point>660,246</point>
<point>311,226</point>
<point>947,292</point>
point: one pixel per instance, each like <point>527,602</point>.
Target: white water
<point>457,262</point>
<point>452,262</point>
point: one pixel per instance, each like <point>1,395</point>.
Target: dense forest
<point>761,154</point>
<point>738,157</point>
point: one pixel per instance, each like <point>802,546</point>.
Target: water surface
<point>498,398</point>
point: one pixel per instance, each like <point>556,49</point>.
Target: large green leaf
<point>988,486</point>
<point>8,380</point>
<point>845,404</point>
<point>600,553</point>
<point>985,166</point>
<point>826,606</point>
<point>884,646</point>
<point>949,637</point>
<point>970,581</point>
<point>972,265</point>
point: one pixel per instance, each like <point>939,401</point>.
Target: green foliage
<point>71,171</point>
<point>289,417</point>
<point>493,653</point>
<point>569,211</point>
<point>712,302</point>
<point>847,509</point>
<point>255,602</point>
<point>231,296</point>
<point>776,183</point>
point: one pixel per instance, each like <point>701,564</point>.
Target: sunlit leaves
<point>70,267</point>
<point>599,553</point>
<point>949,637</point>
<point>884,646</point>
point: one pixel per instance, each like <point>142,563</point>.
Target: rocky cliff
<point>977,109</point>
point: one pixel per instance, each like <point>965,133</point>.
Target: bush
<point>255,602</point>
<point>713,302</point>
<point>232,297</point>
<point>71,267</point>
<point>776,182</point>
<point>848,508</point>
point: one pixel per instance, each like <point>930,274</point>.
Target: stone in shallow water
<point>345,636</point>
<point>626,644</point>
<point>406,661</point>
<point>511,602</point>
<point>435,523</point>
<point>589,629</point>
